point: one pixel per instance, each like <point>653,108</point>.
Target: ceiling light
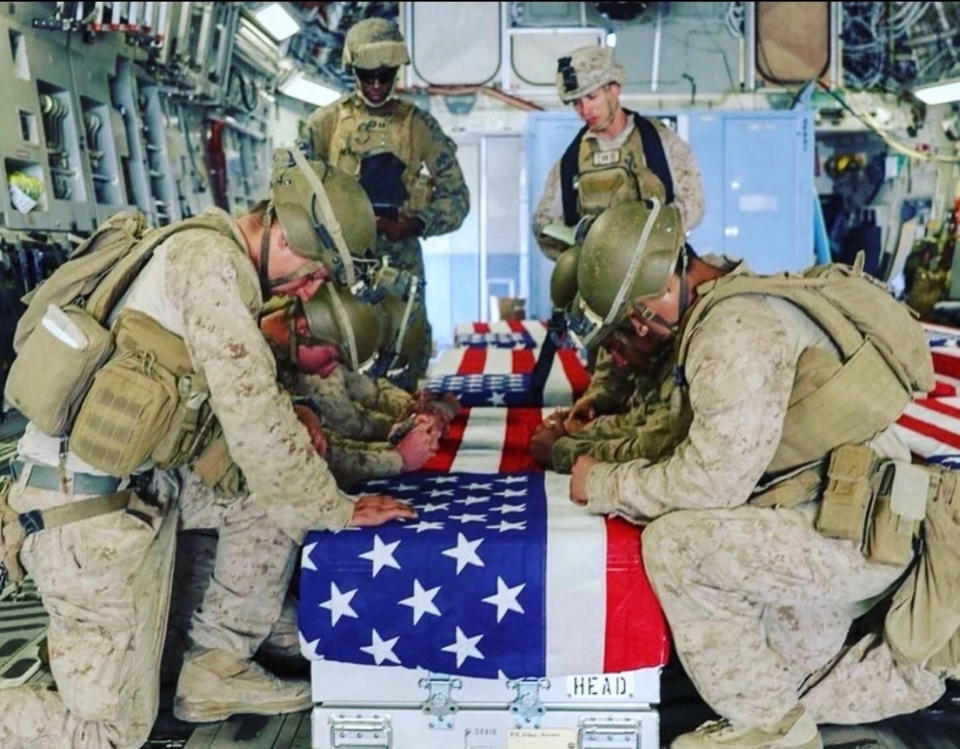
<point>277,20</point>
<point>306,89</point>
<point>939,93</point>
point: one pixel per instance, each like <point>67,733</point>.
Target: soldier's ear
<point>614,89</point>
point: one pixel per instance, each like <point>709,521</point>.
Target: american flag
<point>930,426</point>
<point>498,377</point>
<point>511,334</point>
<point>500,575</point>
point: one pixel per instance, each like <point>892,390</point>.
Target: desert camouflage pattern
<point>715,573</point>
<point>591,67</point>
<point>105,583</point>
<point>718,564</point>
<point>284,475</point>
<point>345,404</point>
<point>687,184</point>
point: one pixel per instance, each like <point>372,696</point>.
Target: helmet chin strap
<point>263,265</point>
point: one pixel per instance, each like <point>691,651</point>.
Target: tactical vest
<point>377,148</point>
<point>147,402</point>
<point>883,358</point>
<point>592,180</point>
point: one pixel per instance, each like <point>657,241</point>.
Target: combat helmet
<point>563,280</point>
<point>406,332</point>
<point>585,70</point>
<point>630,253</point>
<point>372,44</point>
<point>325,215</point>
<point>336,318</point>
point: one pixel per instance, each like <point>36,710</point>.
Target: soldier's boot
<point>215,684</point>
<point>796,730</point>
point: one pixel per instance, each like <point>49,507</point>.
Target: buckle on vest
<point>31,521</point>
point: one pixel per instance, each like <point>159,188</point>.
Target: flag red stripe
<point>522,422</point>
<point>481,327</point>
<point>636,632</point>
<point>929,430</point>
<point>940,407</point>
<point>473,361</point>
<point>946,364</point>
<point>576,373</point>
<point>523,361</point>
<point>943,390</point>
<point>516,326</point>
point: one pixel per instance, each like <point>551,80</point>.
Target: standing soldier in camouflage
<point>100,540</point>
<point>617,156</point>
<point>404,161</point>
<point>781,513</point>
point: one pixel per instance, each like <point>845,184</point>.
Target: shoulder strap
<point>568,171</point>
<point>800,292</point>
<point>654,154</point>
<point>118,280</point>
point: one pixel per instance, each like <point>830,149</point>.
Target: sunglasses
<point>377,75</point>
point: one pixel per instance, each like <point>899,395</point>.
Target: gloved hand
<point>582,413</point>
<point>311,421</point>
<point>420,444</point>
<point>403,227</point>
<point>377,509</point>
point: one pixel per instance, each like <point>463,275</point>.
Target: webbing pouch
<point>126,413</point>
<point>55,366</point>
<point>895,520</point>
<point>849,492</point>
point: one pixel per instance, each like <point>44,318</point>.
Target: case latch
<point>439,705</point>
<point>526,706</point>
<point>608,733</point>
<point>356,731</point>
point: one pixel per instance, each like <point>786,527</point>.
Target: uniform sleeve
<point>549,211</point>
<point>651,437</point>
<point>610,385</point>
<point>380,395</point>
<point>271,447</point>
<point>321,125</point>
<point>687,184</point>
<point>450,202</point>
<point>357,461</point>
<point>740,371</point>
<point>339,410</point>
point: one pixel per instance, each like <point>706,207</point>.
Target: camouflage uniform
<point>649,428</point>
<point>352,461</point>
<point>104,580</point>
<point>683,169</point>
<point>718,563</point>
<point>431,150</point>
<point>352,404</point>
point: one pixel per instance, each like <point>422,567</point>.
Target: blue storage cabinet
<point>757,171</point>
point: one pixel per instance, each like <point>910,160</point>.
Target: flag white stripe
<point>485,434</point>
<point>498,361</point>
<point>448,363</point>
<point>576,583</point>
<point>557,391</point>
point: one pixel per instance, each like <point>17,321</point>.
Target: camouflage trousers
<point>758,601</point>
<point>252,567</point>
<point>105,583</point>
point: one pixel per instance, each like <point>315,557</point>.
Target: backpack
<point>61,340</point>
